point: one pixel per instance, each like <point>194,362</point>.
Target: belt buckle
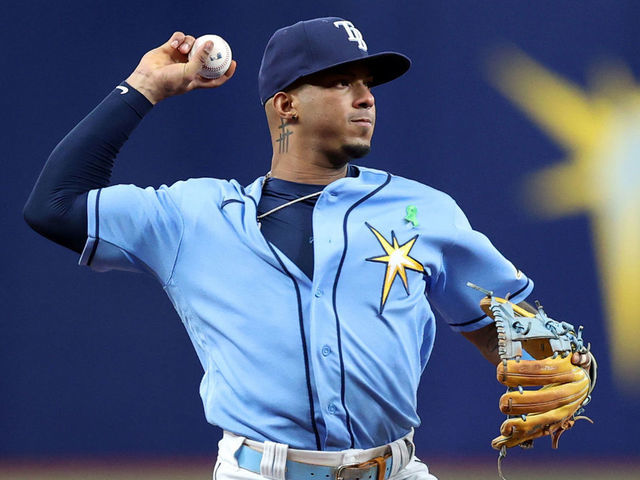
<point>341,475</point>
<point>349,472</point>
<point>356,470</point>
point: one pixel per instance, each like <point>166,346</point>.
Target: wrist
<point>135,99</point>
<point>142,84</point>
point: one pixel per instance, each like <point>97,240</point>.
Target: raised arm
<point>84,159</point>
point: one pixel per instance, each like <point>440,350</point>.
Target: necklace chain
<point>291,202</point>
<point>284,205</point>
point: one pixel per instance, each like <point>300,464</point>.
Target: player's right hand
<point>167,71</point>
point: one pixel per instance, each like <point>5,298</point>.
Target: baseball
<point>218,61</point>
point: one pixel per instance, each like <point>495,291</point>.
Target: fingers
<point>581,359</point>
<point>201,82</point>
<point>180,73</point>
<point>198,58</point>
<point>181,42</point>
<point>176,39</point>
<point>186,44</point>
<point>232,69</point>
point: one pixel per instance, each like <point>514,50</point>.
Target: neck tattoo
<point>283,139</point>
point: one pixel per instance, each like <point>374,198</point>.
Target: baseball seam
<point>218,69</point>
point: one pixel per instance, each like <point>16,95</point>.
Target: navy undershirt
<point>291,228</point>
<point>84,160</point>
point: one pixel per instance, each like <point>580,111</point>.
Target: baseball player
<point>346,263</point>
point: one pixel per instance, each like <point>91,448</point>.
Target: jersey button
<point>332,409</point>
<point>318,293</point>
<point>326,350</point>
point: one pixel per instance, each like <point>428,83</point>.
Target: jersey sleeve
<point>134,229</point>
<point>470,257</point>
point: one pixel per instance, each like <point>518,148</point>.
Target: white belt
<point>279,462</point>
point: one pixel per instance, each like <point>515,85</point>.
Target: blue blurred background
<point>99,364</point>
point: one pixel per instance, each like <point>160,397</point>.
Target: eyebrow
<point>329,75</point>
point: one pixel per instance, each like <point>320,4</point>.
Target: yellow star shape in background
<point>600,130</point>
<point>398,261</point>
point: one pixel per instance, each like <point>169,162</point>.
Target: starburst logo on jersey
<point>398,262</point>
<point>599,177</point>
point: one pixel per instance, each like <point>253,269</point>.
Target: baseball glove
<point>559,390</point>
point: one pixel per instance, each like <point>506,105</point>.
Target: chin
<point>356,150</point>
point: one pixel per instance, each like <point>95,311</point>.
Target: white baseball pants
<point>227,468</point>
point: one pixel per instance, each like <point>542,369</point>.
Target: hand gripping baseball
<point>166,70</point>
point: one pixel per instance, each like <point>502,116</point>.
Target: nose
<point>363,96</point>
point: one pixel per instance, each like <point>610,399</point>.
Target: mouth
<point>362,121</point>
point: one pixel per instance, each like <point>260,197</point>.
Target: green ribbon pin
<point>412,212</point>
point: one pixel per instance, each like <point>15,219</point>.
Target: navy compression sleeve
<point>82,161</point>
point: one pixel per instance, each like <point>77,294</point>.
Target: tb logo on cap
<point>353,33</point>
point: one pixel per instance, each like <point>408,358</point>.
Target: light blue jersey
<point>328,364</point>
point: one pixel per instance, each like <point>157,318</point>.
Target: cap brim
<point>384,67</point>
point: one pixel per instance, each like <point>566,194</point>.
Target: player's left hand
<point>581,360</point>
<point>546,394</point>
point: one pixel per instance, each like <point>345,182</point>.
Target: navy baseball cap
<point>319,44</point>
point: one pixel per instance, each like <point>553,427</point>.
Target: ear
<point>283,106</point>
